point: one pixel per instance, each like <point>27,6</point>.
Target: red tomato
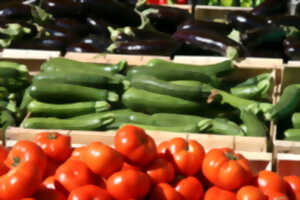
<point>187,155</point>
<point>293,187</point>
<point>51,168</point>
<point>133,143</point>
<point>102,159</point>
<point>49,194</point>
<point>127,166</point>
<point>216,193</point>
<point>3,155</point>
<point>250,193</point>
<point>226,169</point>
<point>21,181</point>
<point>52,183</point>
<point>163,150</point>
<point>74,174</point>
<point>55,145</point>
<point>28,199</point>
<point>190,188</point>
<point>128,184</point>
<point>89,192</point>
<point>269,181</point>
<point>160,171</point>
<point>277,196</point>
<point>78,152</point>
<point>164,191</point>
<point>26,151</point>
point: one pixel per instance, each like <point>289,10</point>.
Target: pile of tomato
<point>135,169</point>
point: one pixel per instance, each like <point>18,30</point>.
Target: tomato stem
<point>52,136</point>
<point>16,162</point>
<point>230,156</point>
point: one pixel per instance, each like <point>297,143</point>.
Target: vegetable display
<point>74,95</point>
<point>135,167</point>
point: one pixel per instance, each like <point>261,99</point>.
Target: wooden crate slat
<point>29,54</point>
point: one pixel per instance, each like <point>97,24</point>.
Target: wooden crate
<point>31,58</point>
<point>216,12</point>
<point>287,164</point>
<point>258,160</point>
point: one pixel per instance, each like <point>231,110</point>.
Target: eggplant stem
<point>232,52</point>
<point>112,47</point>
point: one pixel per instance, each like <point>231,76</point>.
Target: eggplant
<point>211,41</point>
<point>113,11</point>
<point>271,7</point>
<point>192,24</point>
<point>268,51</point>
<point>14,10</point>
<point>293,51</point>
<point>186,49</point>
<point>285,20</point>
<point>45,43</point>
<point>57,31</point>
<point>257,36</point>
<point>64,8</point>
<point>129,34</point>
<point>72,25</point>
<point>290,41</point>
<point>99,26</point>
<point>81,47</point>
<point>243,21</point>
<point>130,3</point>
<point>146,47</point>
<point>97,41</point>
<point>33,29</point>
<point>167,18</point>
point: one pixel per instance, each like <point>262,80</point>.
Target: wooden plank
<point>215,12</point>
<point>29,54</point>
<point>112,58</point>
<point>210,141</point>
<point>288,164</point>
<point>255,144</point>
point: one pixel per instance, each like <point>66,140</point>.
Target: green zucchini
<point>66,93</point>
<point>188,83</point>
<point>258,87</point>
<point>22,69</point>
<point>12,84</point>
<point>292,135</point>
<point>25,100</point>
<point>62,64</point>
<point>288,103</point>
<point>67,124</point>
<point>189,128</point>
<point>66,110</point>
<point>173,75</point>
<point>76,78</point>
<point>149,102</point>
<point>121,116</point>
<point>254,126</point>
<point>3,105</point>
<point>296,120</point>
<point>211,69</point>
<point>3,93</point>
<point>158,86</point>
<point>8,73</point>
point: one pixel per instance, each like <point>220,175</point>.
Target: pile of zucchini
<point>161,95</point>
<point>14,78</point>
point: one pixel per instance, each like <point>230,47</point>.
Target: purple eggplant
<point>211,41</point>
<point>99,26</point>
<point>268,51</point>
<point>64,8</point>
<point>257,36</point>
<point>146,47</point>
<point>113,11</point>
<point>270,7</point>
<point>243,21</point>
<point>285,20</point>
<point>72,25</point>
<point>81,47</point>
<point>290,41</point>
<point>99,42</point>
<point>191,24</point>
<point>60,32</point>
<point>14,10</point>
<point>293,51</point>
<point>46,43</point>
<point>130,34</point>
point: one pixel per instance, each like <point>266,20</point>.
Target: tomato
<point>160,171</point>
<point>3,155</point>
<point>293,187</point>
<point>190,188</point>
<point>187,155</point>
<point>28,199</point>
<point>78,152</point>
<point>49,194</point>
<point>127,166</point>
<point>216,193</point>
<point>128,184</point>
<point>102,159</point>
<point>21,181</point>
<point>133,143</point>
<point>277,196</point>
<point>250,193</point>
<point>55,145</point>
<point>52,183</point>
<point>51,168</point>
<point>164,191</point>
<point>226,169</point>
<point>89,192</point>
<point>26,151</point>
<point>270,181</point>
<point>163,150</point>
<point>74,174</point>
